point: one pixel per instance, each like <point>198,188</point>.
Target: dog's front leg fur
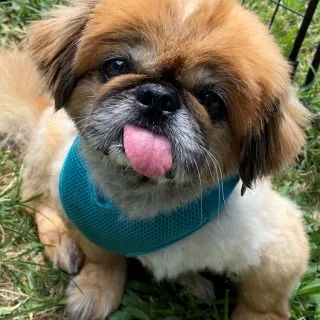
<point>265,290</point>
<point>60,247</point>
<point>97,290</point>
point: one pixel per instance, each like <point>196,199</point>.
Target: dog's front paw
<point>95,293</point>
<point>67,255</point>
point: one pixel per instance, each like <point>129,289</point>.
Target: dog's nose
<point>158,97</point>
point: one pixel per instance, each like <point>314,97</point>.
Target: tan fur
<point>264,291</point>
<point>69,47</point>
<point>22,97</point>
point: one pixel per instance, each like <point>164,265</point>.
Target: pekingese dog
<point>168,99</point>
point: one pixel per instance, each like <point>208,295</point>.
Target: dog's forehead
<point>167,35</point>
<point>157,28</point>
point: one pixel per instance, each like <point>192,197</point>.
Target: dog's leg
<point>97,290</point>
<point>60,248</point>
<point>264,291</point>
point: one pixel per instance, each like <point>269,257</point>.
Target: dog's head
<point>183,87</point>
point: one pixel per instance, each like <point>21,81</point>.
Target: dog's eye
<point>210,99</point>
<point>113,68</point>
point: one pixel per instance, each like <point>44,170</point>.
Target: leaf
<point>132,300</point>
<point>311,288</point>
<point>142,287</point>
<point>120,315</point>
<point>136,313</point>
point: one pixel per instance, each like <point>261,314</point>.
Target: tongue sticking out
<point>150,154</point>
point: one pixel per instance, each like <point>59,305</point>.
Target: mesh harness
<point>105,225</point>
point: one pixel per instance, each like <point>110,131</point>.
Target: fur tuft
<point>23,98</point>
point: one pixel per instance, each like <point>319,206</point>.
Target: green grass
<point>31,289</point>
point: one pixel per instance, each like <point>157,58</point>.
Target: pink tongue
<point>150,154</point>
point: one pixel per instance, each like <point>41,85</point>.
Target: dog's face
<point>173,88</point>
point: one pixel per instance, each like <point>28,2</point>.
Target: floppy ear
<point>276,143</point>
<point>53,44</point>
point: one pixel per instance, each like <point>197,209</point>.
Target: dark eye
<point>210,99</point>
<point>113,68</point>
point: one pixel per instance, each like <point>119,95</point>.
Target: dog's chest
<point>103,223</point>
<point>230,243</point>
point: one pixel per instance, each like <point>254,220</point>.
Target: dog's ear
<point>53,44</point>
<point>276,141</point>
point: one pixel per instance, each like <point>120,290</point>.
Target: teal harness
<point>105,225</point>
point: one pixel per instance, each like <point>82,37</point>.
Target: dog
<point>170,99</point>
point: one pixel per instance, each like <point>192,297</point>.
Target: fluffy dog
<point>207,77</point>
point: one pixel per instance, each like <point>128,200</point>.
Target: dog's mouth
<point>163,147</point>
<point>150,154</point>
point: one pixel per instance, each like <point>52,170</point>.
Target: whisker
<point>214,160</point>
<point>82,119</point>
<point>201,194</point>
<point>218,182</point>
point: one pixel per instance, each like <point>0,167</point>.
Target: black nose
<point>158,97</point>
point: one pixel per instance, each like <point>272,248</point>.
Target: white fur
<point>232,242</point>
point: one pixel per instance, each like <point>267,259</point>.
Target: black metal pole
<point>274,14</point>
<point>314,67</point>
<point>302,33</point>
